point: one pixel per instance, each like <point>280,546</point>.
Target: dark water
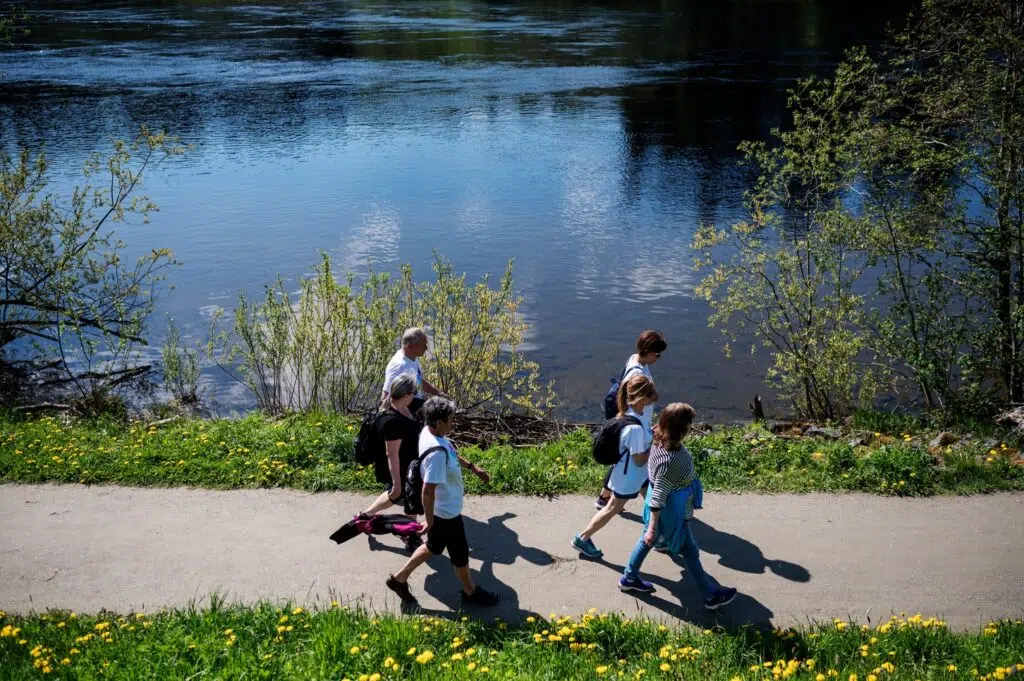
<point>586,140</point>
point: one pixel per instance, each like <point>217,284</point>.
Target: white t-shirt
<point>634,366</point>
<point>633,440</point>
<point>400,364</point>
<point>443,470</point>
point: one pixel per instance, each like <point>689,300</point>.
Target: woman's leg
<point>691,556</point>
<point>636,559</point>
<point>601,518</point>
<point>382,502</point>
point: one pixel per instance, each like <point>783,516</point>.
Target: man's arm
<point>429,388</point>
<point>429,491</point>
<point>480,472</point>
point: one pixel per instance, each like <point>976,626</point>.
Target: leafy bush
<point>327,348</point>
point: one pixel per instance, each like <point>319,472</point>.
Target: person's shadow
<point>491,542</point>
<point>740,554</point>
<point>736,552</point>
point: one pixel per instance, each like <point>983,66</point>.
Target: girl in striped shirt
<point>671,472</point>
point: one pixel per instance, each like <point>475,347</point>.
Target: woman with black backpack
<point>400,431</point>
<point>649,347</point>
<point>632,431</point>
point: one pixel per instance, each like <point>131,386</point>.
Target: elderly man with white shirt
<point>407,361</point>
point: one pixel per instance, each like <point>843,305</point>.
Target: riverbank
<point>273,642</point>
<point>313,452</point>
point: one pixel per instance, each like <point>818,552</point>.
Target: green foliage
<point>180,369</point>
<point>912,166</point>
<point>268,641</point>
<point>327,349</point>
<point>789,275</point>
<point>313,451</point>
<point>66,287</point>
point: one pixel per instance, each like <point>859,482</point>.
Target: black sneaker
<point>402,589</point>
<point>480,596</point>
<point>600,503</point>
<point>719,598</point>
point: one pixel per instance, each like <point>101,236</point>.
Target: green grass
<point>314,452</point>
<point>268,642</point>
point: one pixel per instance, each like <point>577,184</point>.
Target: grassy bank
<point>313,452</point>
<point>268,642</point>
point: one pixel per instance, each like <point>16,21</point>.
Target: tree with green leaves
<point>72,309</point>
<point>910,168</point>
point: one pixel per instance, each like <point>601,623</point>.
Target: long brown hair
<point>635,388</point>
<point>673,424</point>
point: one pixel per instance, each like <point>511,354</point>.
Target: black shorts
<point>449,533</point>
<point>401,497</point>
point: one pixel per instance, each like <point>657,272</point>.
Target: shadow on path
<point>682,600</point>
<point>740,554</point>
<point>491,542</point>
<point>737,553</point>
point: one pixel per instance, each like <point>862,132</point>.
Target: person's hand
<point>426,526</point>
<point>396,493</point>
<point>649,538</point>
<point>484,476</point>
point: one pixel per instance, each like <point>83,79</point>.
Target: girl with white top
<point>630,473</point>
<point>649,347</point>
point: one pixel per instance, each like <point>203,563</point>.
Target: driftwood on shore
<point>487,428</point>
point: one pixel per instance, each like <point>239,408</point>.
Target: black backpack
<point>368,444</point>
<point>606,443</point>
<point>611,401</point>
<point>413,489</point>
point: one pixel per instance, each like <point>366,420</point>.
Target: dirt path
<point>793,557</point>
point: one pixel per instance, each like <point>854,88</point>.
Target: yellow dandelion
<point>602,669</point>
<point>471,666</point>
<point>425,657</point>
<point>665,666</point>
<point>354,650</point>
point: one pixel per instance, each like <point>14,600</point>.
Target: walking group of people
<point>416,417</point>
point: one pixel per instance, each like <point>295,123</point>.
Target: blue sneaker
<point>635,584</point>
<point>586,547</point>
<point>721,597</point>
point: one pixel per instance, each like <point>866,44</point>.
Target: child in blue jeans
<point>668,508</point>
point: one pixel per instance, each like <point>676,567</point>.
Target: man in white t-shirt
<point>407,361</point>
<point>442,506</point>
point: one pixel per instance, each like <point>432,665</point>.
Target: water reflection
<point>585,139</point>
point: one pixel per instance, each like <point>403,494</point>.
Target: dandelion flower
<point>665,666</point>
<point>374,677</point>
<point>602,669</point>
<point>354,650</point>
<point>471,666</point>
<point>951,668</point>
<point>425,657</point>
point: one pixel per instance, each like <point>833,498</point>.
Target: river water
<point>586,140</point>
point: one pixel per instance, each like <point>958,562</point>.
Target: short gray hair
<point>413,336</point>
<point>402,386</point>
<point>437,410</point>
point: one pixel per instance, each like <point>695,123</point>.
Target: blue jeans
<point>690,552</point>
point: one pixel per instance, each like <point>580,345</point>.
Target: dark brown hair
<point>650,341</point>
<point>634,388</point>
<point>673,424</point>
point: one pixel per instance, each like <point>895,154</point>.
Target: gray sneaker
<point>586,547</point>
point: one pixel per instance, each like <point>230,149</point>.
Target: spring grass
<point>313,452</point>
<point>272,642</point>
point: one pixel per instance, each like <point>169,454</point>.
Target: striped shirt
<point>670,471</point>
